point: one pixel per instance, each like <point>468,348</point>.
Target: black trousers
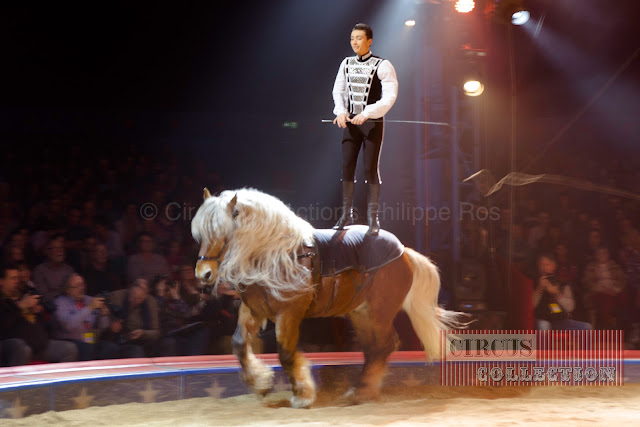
<point>367,136</point>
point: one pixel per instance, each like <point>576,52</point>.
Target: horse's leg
<point>256,374</point>
<point>378,340</point>
<point>295,365</point>
<point>373,323</point>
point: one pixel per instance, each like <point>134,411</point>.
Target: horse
<point>255,243</point>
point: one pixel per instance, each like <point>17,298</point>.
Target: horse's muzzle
<point>204,273</point>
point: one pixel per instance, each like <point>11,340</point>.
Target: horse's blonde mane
<point>264,235</point>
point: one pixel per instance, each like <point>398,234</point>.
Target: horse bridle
<point>218,257</point>
<point>224,246</point>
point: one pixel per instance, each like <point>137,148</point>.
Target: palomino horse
<point>256,243</point>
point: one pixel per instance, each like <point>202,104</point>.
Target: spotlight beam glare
<point>520,17</point>
<point>464,6</point>
<point>567,58</point>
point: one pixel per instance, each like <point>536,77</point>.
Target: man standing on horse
<point>366,88</point>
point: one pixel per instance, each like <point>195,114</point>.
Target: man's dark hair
<point>364,27</point>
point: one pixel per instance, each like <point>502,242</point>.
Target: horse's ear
<point>206,194</point>
<point>233,209</point>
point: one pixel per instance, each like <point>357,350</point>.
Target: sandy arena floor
<point>433,406</point>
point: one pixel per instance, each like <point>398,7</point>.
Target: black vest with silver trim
<point>363,84</point>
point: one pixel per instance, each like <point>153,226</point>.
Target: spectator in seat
<point>81,318</point>
<point>190,337</point>
<point>50,275</point>
<point>605,283</point>
<point>13,351</point>
<point>101,275</point>
<point>146,264</point>
<point>22,322</point>
<point>139,334</point>
<point>553,301</point>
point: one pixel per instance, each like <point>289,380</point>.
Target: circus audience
<point>564,213</point>
<point>16,248</point>
<point>175,258</point>
<point>14,350</point>
<point>15,255</point>
<point>630,261</point>
<point>521,250</point>
<point>75,235</point>
<point>137,331</point>
<point>81,318</point>
<point>567,272</point>
<point>24,322</point>
<point>109,238</point>
<point>24,276</point>
<point>190,337</point>
<point>145,264</point>
<point>129,226</point>
<point>553,300</point>
<point>568,275</point>
<point>604,282</point>
<point>102,275</point>
<point>86,252</point>
<point>594,242</point>
<point>80,213</point>
<point>50,275</point>
<point>553,237</point>
<point>220,312</point>
<point>190,288</point>
<point>540,230</point>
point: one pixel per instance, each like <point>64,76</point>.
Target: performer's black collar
<point>364,57</point>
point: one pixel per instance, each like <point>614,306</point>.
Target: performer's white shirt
<point>389,81</point>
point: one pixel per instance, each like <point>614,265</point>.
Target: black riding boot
<point>348,188</point>
<point>373,195</point>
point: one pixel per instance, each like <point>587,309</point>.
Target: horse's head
<point>248,237</point>
<point>208,227</point>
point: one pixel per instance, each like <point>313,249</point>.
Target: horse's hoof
<point>262,392</point>
<point>356,396</point>
<point>299,402</point>
<point>263,382</point>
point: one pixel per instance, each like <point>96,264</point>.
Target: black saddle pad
<point>352,247</point>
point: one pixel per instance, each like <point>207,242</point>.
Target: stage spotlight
<point>464,6</point>
<point>520,17</point>
<point>473,88</point>
<point>469,69</point>
<point>410,23</point>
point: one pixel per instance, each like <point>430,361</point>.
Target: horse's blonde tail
<point>421,304</point>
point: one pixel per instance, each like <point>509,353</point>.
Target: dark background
<point>213,82</point>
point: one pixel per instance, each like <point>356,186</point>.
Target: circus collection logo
<point>517,358</point>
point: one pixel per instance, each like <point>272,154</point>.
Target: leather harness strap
<point>315,261</point>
